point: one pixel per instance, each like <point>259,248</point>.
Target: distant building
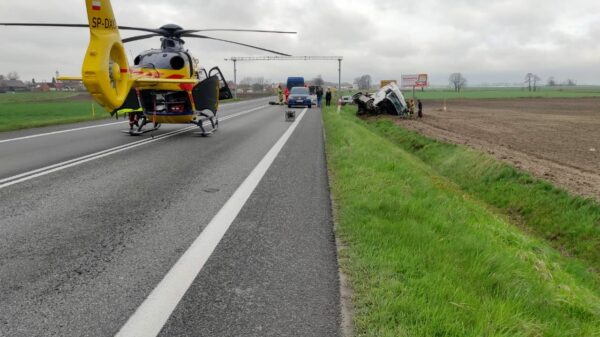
<point>13,85</point>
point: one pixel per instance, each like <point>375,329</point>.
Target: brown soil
<point>554,139</point>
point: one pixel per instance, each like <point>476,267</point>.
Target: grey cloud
<point>490,41</point>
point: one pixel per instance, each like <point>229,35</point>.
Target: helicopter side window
<point>169,44</point>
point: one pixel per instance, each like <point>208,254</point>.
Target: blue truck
<point>294,82</point>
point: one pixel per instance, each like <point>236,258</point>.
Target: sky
<point>488,41</point>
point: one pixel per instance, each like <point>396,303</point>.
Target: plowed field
<point>554,139</point>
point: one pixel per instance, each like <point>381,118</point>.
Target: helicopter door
<point>206,94</point>
<point>224,92</point>
<point>131,102</point>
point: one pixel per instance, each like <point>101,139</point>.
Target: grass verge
<point>37,109</point>
<point>427,259</point>
<point>500,93</point>
<point>507,93</point>
<point>14,116</point>
<point>570,224</point>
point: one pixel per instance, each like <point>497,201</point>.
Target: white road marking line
<point>89,127</point>
<point>153,313</point>
<point>58,132</point>
<point>101,154</point>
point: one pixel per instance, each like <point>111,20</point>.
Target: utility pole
<point>235,79</point>
<point>340,76</point>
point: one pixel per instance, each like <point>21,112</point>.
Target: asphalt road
<point>84,243</point>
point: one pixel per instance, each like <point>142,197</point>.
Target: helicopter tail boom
<point>105,70</point>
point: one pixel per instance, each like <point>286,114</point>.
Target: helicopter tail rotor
<point>105,68</point>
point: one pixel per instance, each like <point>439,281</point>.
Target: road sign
<point>414,81</point>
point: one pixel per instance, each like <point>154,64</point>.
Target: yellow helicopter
<point>162,86</point>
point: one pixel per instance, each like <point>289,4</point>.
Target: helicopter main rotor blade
<point>156,31</point>
<point>238,43</point>
<point>139,37</point>
<point>237,30</point>
<point>72,25</point>
<point>44,24</point>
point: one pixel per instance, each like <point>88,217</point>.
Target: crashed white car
<point>347,100</point>
<point>387,100</point>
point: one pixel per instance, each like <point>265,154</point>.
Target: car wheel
<point>289,106</point>
<point>310,106</point>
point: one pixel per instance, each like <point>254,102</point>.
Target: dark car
<point>299,96</point>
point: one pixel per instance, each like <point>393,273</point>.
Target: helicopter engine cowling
<point>105,70</point>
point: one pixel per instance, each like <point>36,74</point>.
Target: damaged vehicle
<point>388,100</point>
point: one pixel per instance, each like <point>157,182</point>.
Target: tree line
<point>13,75</point>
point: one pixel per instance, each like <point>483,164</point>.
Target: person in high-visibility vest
<point>280,94</point>
<point>134,116</point>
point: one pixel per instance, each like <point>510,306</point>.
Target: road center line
<point>89,127</point>
<point>153,313</point>
<point>101,154</point>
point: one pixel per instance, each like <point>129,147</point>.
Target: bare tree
<point>531,79</point>
<point>551,81</point>
<point>457,81</point>
<point>245,84</point>
<point>318,81</point>
<point>536,79</point>
<point>258,84</point>
<point>363,82</point>
<point>1,77</point>
<point>528,80</point>
<point>13,75</point>
<point>570,82</point>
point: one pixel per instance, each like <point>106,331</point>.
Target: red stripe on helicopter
<point>175,77</point>
<point>96,5</point>
<point>124,70</point>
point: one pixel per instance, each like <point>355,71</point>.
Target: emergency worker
<point>280,94</point>
<point>286,92</point>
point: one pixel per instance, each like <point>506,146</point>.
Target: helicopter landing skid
<point>139,130</point>
<point>214,125</point>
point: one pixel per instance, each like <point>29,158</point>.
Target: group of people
<point>285,93</point>
<point>319,93</point>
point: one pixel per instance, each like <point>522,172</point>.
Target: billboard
<point>417,81</point>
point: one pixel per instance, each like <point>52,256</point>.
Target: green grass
<point>486,93</point>
<point>36,109</point>
<point>27,110</point>
<point>571,224</point>
<point>427,258</point>
<point>499,93</point>
<point>29,97</point>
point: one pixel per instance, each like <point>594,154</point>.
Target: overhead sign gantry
<point>235,59</point>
